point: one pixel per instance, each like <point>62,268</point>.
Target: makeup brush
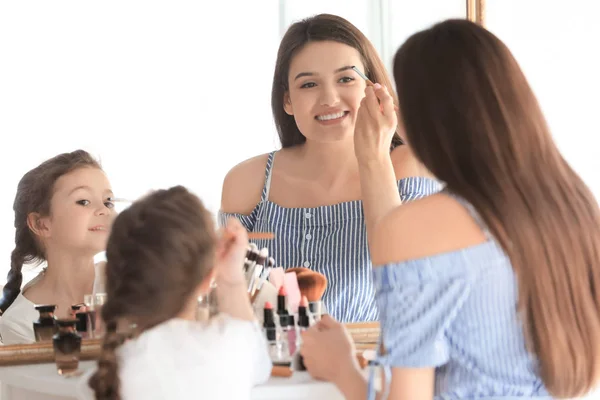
<point>263,255</point>
<point>251,247</point>
<point>359,72</point>
<point>261,235</point>
<point>254,279</point>
<point>369,82</point>
<point>121,200</point>
<point>252,252</point>
<point>299,270</point>
<point>312,285</point>
<point>252,236</point>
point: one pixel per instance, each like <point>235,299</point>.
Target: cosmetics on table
<point>252,252</point>
<point>263,256</point>
<point>257,269</point>
<point>313,285</point>
<point>286,322</point>
<point>67,346</point>
<point>79,312</point>
<point>94,304</point>
<point>44,328</point>
<point>75,308</point>
<point>270,330</point>
<point>90,313</point>
<point>303,324</point>
<point>292,334</point>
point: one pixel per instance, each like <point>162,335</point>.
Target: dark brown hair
<point>322,27</point>
<point>160,249</point>
<point>34,195</point>
<point>472,119</point>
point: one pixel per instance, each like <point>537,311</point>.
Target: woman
<point>488,289</point>
<point>336,173</point>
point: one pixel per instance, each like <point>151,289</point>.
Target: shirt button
<point>306,264</point>
<point>308,236</point>
<point>307,215</point>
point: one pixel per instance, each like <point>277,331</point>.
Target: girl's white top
<point>16,324</point>
<point>222,358</point>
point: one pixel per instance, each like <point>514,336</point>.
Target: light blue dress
<point>457,312</point>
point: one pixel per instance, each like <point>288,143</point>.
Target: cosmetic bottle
<point>44,328</point>
<point>303,324</point>
<point>67,346</point>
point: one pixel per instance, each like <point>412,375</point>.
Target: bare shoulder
<point>243,184</point>
<point>406,164</point>
<point>433,225</point>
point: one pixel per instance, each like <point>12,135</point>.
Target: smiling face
<point>81,212</point>
<point>324,92</point>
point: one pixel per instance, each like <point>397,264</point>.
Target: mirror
<point>163,91</point>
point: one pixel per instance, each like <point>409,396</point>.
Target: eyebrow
<point>302,74</point>
<point>106,191</point>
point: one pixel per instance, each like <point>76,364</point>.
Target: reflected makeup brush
<point>120,200</point>
<point>263,255</point>
<point>252,252</point>
<point>313,286</point>
<point>359,72</point>
<point>261,235</point>
<point>369,82</point>
<point>299,270</point>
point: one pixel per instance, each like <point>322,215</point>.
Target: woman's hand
<point>329,352</point>
<point>230,254</point>
<point>376,123</point>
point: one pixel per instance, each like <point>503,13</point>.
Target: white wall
<point>556,44</point>
<point>164,92</point>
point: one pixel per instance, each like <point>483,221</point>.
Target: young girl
<point>336,174</point>
<point>489,289</point>
<point>161,256</point>
<point>63,214</point>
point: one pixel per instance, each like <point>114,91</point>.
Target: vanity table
<point>40,381</point>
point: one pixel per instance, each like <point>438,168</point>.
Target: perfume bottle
<point>75,309</point>
<point>67,346</point>
<point>44,328</point>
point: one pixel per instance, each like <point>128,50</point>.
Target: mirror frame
<point>476,11</point>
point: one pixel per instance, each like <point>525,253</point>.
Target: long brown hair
<point>160,249</point>
<point>34,194</point>
<point>322,27</point>
<point>472,119</point>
